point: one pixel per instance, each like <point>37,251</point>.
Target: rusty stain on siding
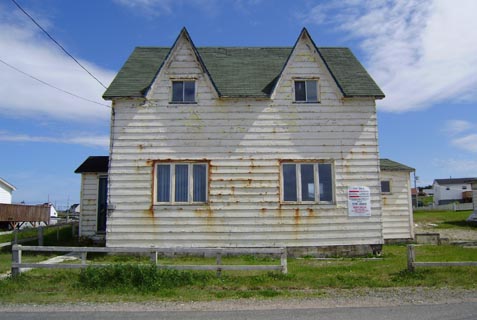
<point>310,211</point>
<point>296,217</point>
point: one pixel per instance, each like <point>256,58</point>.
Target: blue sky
<point>423,54</point>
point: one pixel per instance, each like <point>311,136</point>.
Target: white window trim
<point>318,93</point>
<point>172,186</point>
<point>316,177</point>
<point>172,80</point>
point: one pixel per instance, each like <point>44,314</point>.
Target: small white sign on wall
<point>359,201</point>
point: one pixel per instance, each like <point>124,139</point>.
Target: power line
<point>59,45</point>
<point>52,86</point>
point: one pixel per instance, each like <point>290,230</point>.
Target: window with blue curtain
<point>181,182</point>
<point>200,182</point>
<point>301,180</point>
<point>163,182</point>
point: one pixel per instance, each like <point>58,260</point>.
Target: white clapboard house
<point>243,147</point>
<point>6,190</point>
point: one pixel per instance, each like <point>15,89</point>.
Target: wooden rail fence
<point>412,264</point>
<point>40,230</point>
<point>17,251</point>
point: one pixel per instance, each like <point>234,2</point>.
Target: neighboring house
<point>75,208</point>
<point>239,147</point>
<point>396,200</point>
<point>6,190</point>
<point>53,212</point>
<point>428,191</point>
<point>452,190</point>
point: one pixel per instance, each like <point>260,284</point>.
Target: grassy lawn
<point>306,278</point>
<point>50,238</point>
<point>445,219</point>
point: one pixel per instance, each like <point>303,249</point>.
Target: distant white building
<point>6,190</point>
<point>452,190</point>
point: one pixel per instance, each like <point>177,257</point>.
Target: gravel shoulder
<point>332,298</point>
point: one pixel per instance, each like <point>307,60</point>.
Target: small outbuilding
<point>94,183</point>
<point>396,200</point>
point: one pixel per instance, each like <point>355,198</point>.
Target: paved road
<point>455,311</point>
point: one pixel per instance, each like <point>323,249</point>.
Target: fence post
<point>411,258</point>
<point>40,236</point>
<point>16,258</point>
<point>283,261</point>
<point>15,236</point>
<point>218,262</point>
<point>154,257</point>
<point>83,257</point>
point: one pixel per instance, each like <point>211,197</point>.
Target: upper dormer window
<point>183,91</point>
<point>306,91</point>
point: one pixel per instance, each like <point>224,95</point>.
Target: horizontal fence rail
<point>447,207</point>
<point>412,264</point>
<point>153,252</point>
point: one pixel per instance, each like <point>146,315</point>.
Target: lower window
<point>181,182</point>
<point>385,186</point>
<point>307,182</point>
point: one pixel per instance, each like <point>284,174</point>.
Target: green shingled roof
<point>389,165</point>
<point>241,72</point>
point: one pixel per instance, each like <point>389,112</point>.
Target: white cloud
<point>166,7</point>
<point>24,46</point>
<point>419,52</point>
<point>461,167</point>
<point>151,6</point>
<point>467,143</point>
<point>79,139</point>
<point>454,127</point>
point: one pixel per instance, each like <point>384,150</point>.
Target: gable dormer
<point>183,77</point>
<point>305,77</point>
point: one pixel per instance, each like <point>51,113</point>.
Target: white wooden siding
<point>244,141</point>
<point>5,194</point>
<point>397,206</point>
<point>89,204</point>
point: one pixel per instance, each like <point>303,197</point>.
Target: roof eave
<point>11,186</point>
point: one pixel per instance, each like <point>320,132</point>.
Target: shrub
<point>144,278</point>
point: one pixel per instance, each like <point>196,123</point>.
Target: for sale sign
<point>359,201</point>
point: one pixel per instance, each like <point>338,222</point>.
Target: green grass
<point>445,219</point>
<point>128,281</point>
<point>50,236</point>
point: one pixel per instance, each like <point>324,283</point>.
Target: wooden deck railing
<point>17,251</point>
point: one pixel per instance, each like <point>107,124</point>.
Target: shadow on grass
<point>461,224</point>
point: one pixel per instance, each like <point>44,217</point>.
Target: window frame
<point>318,96</point>
<point>316,180</point>
<point>172,101</point>
<point>389,184</point>
<point>190,181</point>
